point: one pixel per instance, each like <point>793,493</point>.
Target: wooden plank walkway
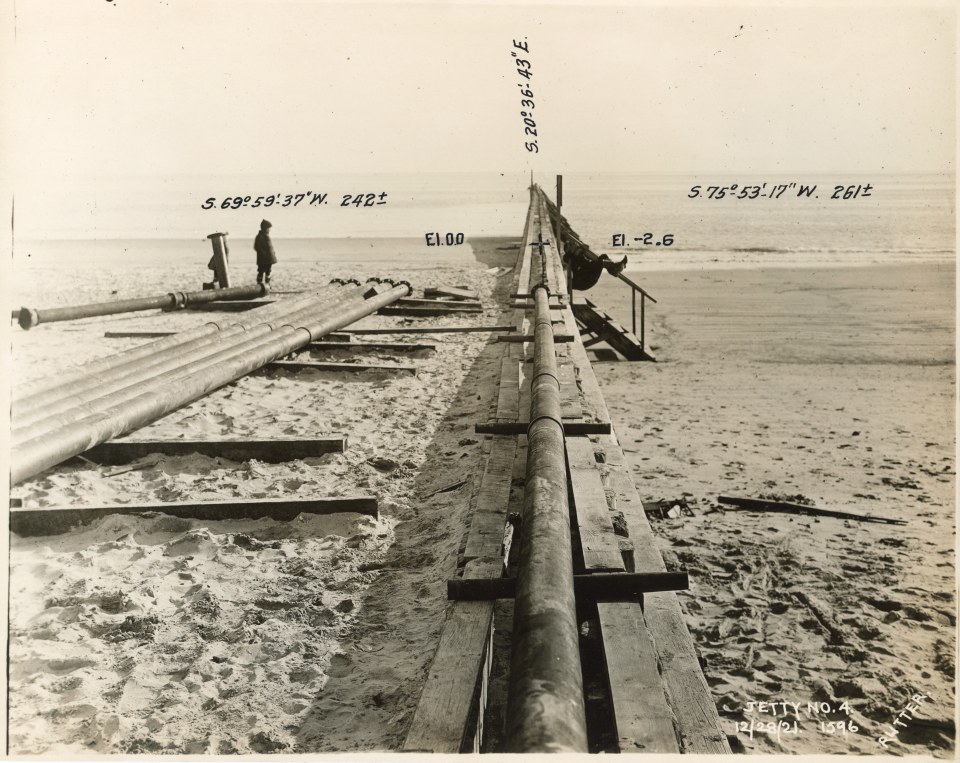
<point>449,715</point>
<point>698,725</point>
<point>601,550</point>
<point>58,519</point>
<point>443,721</point>
<point>660,699</point>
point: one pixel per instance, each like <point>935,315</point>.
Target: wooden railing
<point>644,295</point>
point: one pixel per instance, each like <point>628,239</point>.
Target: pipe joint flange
<point>337,281</point>
<point>404,283</point>
<point>543,416</point>
<point>178,300</point>
<point>28,318</point>
<point>545,373</point>
<point>541,285</point>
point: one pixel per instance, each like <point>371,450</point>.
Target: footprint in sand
<point>340,665</point>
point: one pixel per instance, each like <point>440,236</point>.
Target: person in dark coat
<point>585,267</point>
<point>266,257</point>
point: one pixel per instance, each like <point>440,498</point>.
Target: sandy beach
<point>155,634</point>
<point>833,387</point>
<point>826,386</point>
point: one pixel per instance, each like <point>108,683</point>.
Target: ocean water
<point>907,218</point>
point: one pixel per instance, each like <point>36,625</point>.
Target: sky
<point>177,93</point>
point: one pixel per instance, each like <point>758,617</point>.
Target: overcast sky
<point>212,88</point>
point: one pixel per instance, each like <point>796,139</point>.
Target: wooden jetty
<point>556,527</point>
<point>659,697</point>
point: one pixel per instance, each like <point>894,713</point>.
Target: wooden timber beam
<point>434,330</point>
<point>520,427</point>
<point>373,346</point>
<point>599,586</point>
<point>310,365</point>
<point>115,452</point>
<point>54,520</point>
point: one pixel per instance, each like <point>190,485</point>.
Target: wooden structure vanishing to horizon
<point>659,696</point>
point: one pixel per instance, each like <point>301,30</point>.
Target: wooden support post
<point>218,262</point>
<point>643,329</point>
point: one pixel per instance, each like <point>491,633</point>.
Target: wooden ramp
<point>605,328</point>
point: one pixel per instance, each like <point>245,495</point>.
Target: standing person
<point>266,257</point>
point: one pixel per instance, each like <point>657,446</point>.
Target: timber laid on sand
<point>52,520</point>
<point>657,699</point>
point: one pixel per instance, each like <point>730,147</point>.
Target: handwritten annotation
<point>525,70</point>
<point>787,717</point>
<point>449,239</point>
<point>644,239</point>
<point>912,706</point>
<point>294,199</point>
<point>776,191</point>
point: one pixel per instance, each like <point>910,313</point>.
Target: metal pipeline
<point>24,396</point>
<point>30,317</point>
<point>94,386</point>
<point>33,456</point>
<point>74,408</point>
<point>545,711</point>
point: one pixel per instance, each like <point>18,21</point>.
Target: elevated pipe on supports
<point>30,317</point>
<point>30,458</point>
<point>545,711</point>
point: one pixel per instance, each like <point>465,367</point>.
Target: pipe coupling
<point>28,318</point>
<point>541,417</point>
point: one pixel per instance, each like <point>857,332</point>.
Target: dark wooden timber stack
<point>659,697</point>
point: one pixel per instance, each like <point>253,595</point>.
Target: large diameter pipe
<point>65,380</point>
<point>74,408</point>
<point>545,710</point>
<point>30,317</point>
<point>95,386</point>
<point>32,457</point>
